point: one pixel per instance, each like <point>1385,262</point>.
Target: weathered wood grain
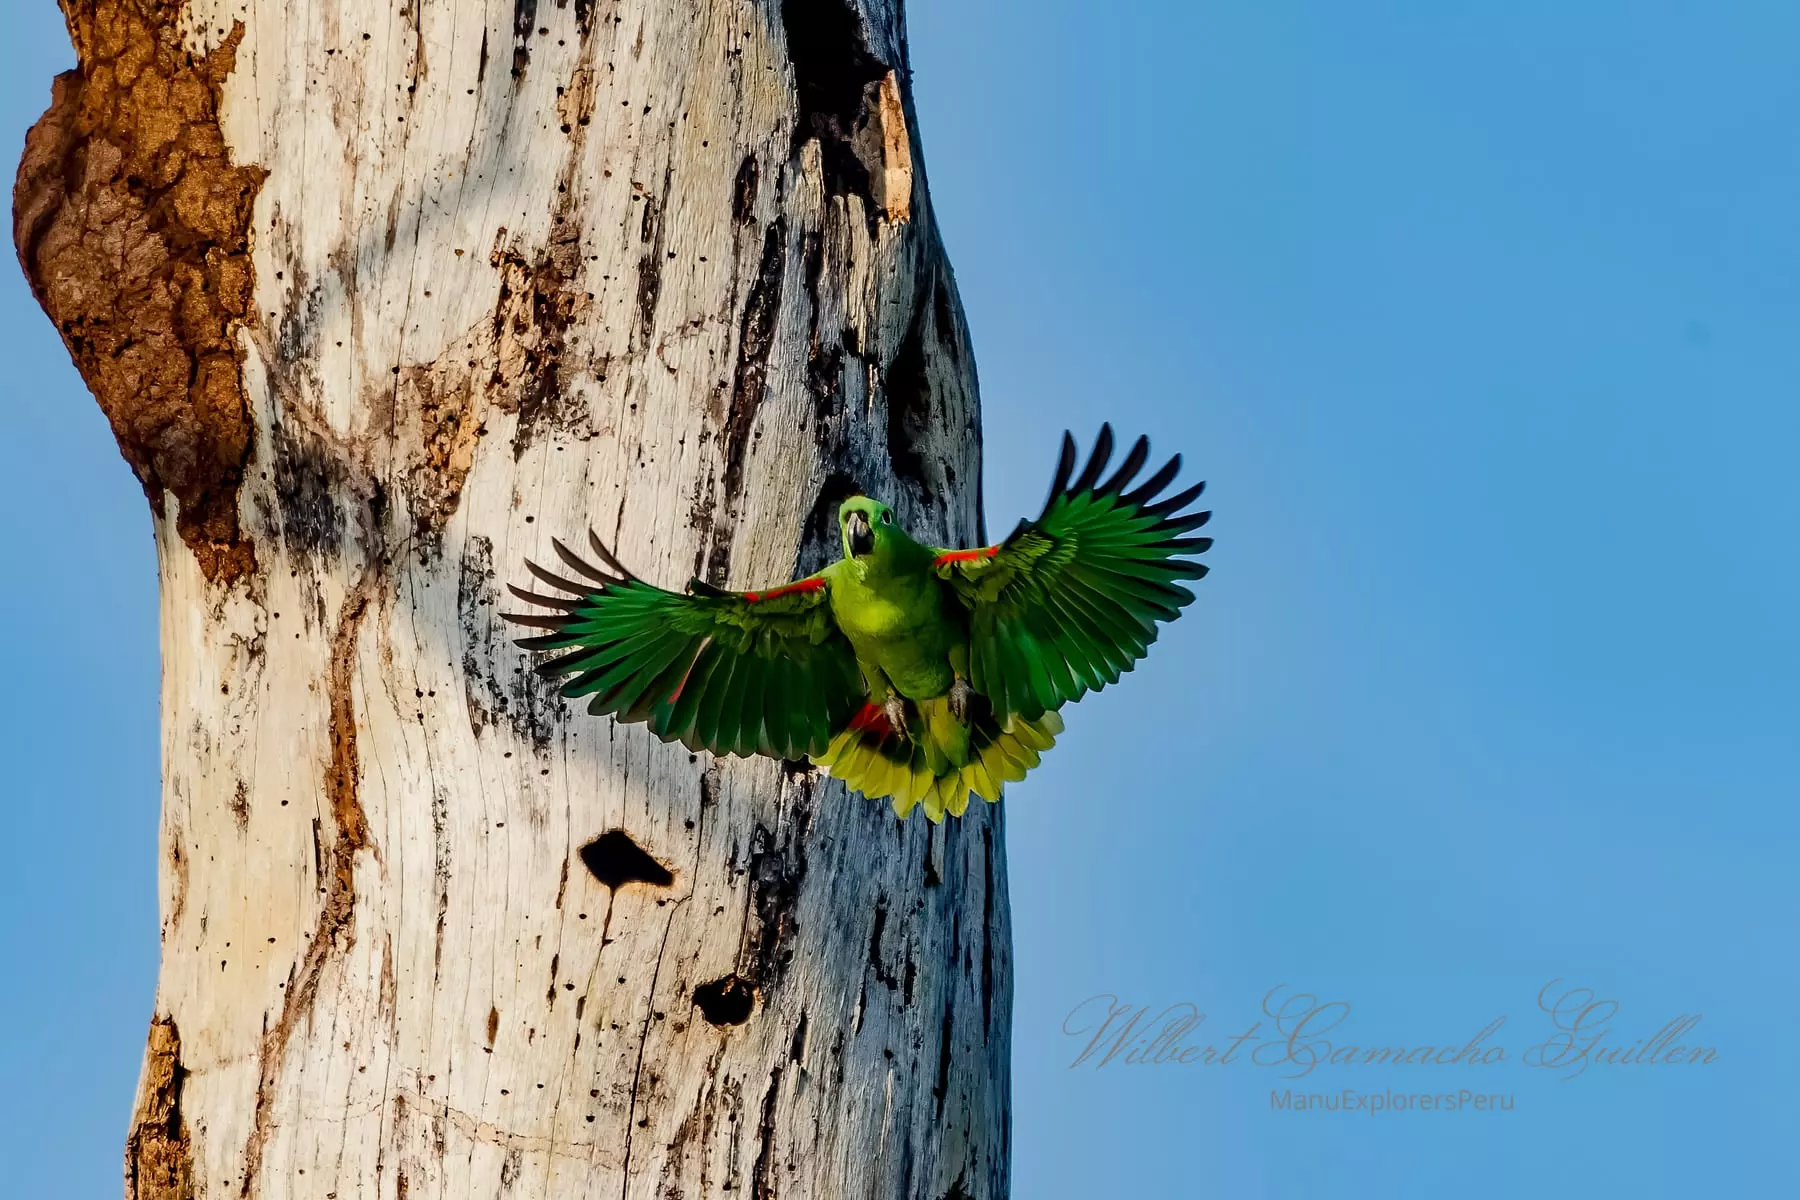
<point>489,274</point>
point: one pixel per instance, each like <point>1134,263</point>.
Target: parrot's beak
<point>862,537</point>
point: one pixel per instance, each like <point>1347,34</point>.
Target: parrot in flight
<point>913,673</point>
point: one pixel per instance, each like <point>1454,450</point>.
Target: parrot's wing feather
<point>1070,601</point>
<point>730,672</point>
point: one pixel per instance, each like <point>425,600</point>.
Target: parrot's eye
<point>887,518</point>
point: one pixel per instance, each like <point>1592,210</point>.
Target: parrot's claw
<point>895,710</point>
<point>960,695</point>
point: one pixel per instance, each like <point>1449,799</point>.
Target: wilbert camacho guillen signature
<point>1298,1033</point>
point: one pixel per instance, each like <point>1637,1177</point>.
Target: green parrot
<point>910,672</point>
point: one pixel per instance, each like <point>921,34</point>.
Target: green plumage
<point>911,672</point>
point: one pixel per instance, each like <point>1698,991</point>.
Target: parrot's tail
<point>872,758</point>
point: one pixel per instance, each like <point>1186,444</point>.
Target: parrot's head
<point>868,528</point>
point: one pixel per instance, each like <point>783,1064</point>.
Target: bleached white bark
<point>522,268</point>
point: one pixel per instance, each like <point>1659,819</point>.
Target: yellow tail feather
<point>990,761</point>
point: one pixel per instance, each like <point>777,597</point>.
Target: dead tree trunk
<point>379,299</point>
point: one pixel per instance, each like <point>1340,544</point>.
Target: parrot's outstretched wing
<point>729,672</point>
<point>1070,601</point>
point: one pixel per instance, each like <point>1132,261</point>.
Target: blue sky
<point>1481,320</point>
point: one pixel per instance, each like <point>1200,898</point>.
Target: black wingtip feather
<point>548,642</point>
<point>564,664</point>
<point>581,565</point>
<point>1175,504</point>
<point>1156,483</point>
<point>1065,468</point>
<point>606,557</point>
<point>1182,524</point>
<point>555,580</point>
<point>566,603</point>
<point>1103,448</point>
<point>535,621</point>
<point>1134,462</point>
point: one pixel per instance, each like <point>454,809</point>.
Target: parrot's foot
<point>895,711</point>
<point>960,695</point>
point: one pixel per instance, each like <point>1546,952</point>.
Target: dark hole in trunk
<point>725,1001</point>
<point>615,860</point>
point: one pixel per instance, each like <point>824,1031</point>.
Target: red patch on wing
<point>786,589</point>
<point>872,718</point>
<point>676,694</point>
<point>958,556</point>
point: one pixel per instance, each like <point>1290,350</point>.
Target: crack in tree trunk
<point>158,1156</point>
<point>336,929</point>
